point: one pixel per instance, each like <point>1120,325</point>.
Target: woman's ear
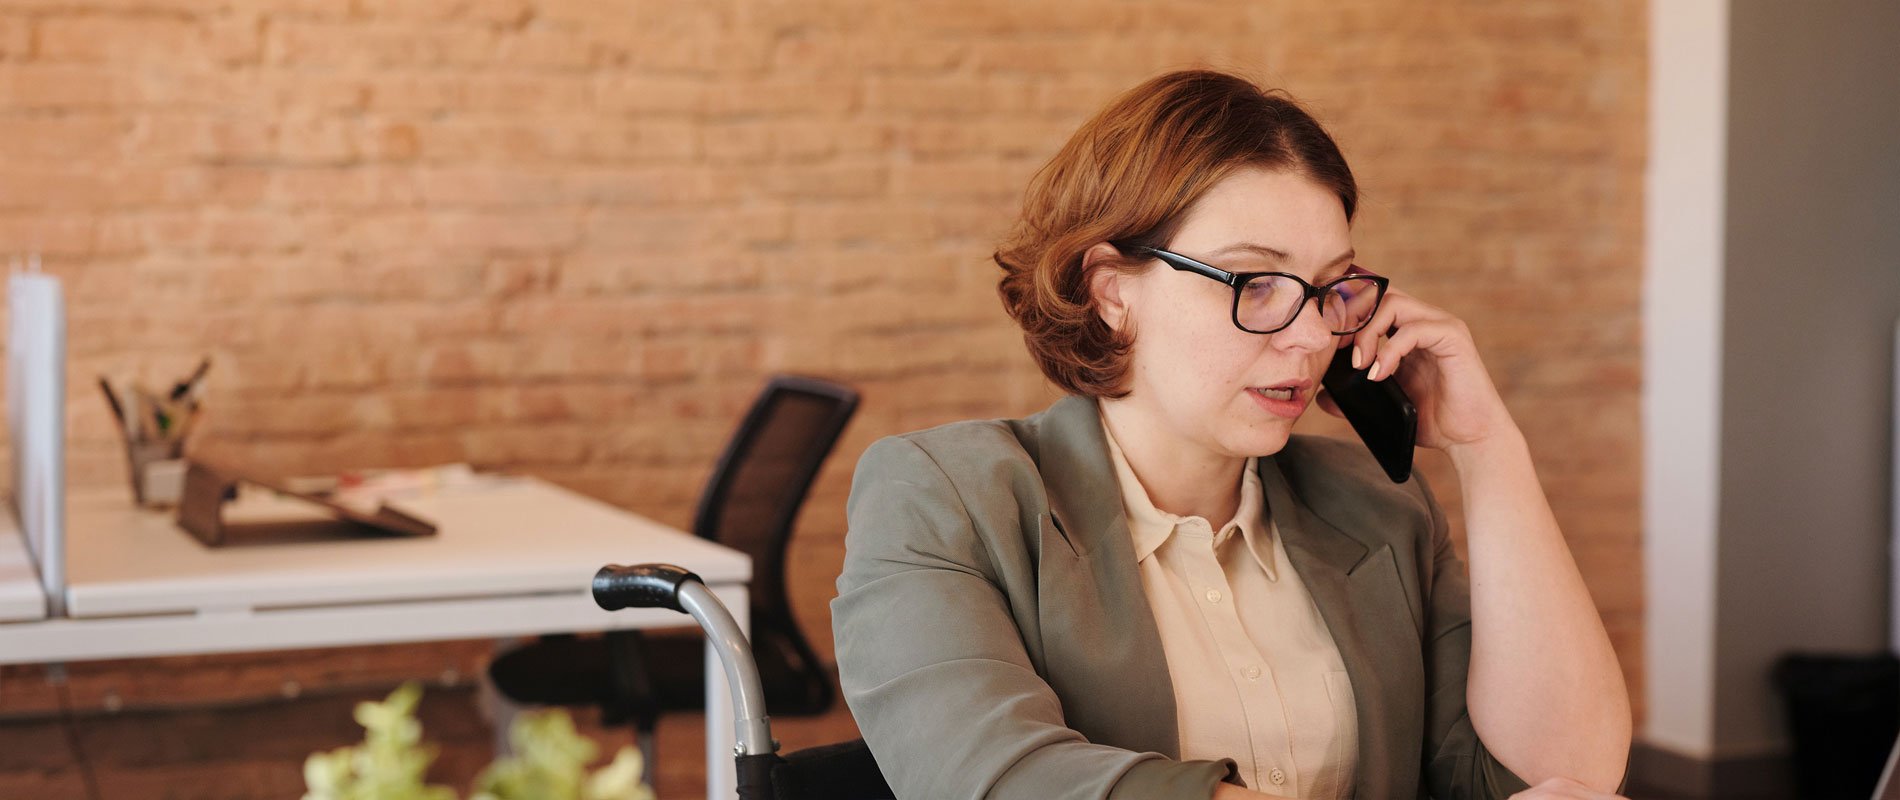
<point>1106,284</point>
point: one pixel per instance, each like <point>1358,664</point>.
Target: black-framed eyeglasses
<point>1266,302</point>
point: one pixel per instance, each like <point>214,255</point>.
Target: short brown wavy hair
<point>1128,177</point>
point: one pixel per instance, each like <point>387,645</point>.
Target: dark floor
<point>255,751</point>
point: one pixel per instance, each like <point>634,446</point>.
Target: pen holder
<point>158,472</point>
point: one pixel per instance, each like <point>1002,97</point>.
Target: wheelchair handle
<point>667,586</point>
<point>640,586</point>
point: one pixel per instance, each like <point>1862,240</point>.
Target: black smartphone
<point>1379,411</point>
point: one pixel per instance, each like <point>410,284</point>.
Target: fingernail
<point>1356,356</point>
<point>1373,375</point>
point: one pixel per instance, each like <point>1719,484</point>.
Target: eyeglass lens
<point>1269,302</point>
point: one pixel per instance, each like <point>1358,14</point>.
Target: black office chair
<point>749,505</point>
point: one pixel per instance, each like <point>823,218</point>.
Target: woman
<point>1044,607</point>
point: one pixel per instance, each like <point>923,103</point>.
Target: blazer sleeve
<point>933,666</point>
<point>1457,765</point>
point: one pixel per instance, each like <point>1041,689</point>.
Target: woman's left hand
<point>1431,354</point>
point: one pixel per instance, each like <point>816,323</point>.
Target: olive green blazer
<point>994,640</point>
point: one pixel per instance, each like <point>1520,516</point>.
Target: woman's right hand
<point>1560,789</point>
<point>1228,791</point>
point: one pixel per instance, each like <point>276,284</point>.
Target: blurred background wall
<point>570,238</point>
<point>1772,294</point>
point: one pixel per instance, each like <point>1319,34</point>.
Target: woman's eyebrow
<point>1279,255</point>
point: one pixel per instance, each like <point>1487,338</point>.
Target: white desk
<point>509,559</point>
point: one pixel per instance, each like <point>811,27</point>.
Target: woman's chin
<point>1259,440</point>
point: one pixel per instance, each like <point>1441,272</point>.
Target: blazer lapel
<point>1102,653</point>
<point>1357,590</point>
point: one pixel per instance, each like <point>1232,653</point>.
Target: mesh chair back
<point>769,465</point>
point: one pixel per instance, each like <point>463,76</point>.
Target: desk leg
<point>722,778</point>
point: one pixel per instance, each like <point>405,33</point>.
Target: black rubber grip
<point>755,776</point>
<point>640,586</point>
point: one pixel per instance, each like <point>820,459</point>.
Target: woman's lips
<point>1290,408</point>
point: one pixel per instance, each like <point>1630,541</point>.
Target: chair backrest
<point>768,467</point>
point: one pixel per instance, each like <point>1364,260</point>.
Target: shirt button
<point>1253,673</point>
<point>1213,595</point>
<point>1276,776</point>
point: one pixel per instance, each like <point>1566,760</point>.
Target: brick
<point>490,186</point>
<point>490,231</point>
<point>508,13</point>
<point>301,43</point>
<point>974,19</point>
<point>50,234</point>
<point>46,86</point>
<point>707,53</point>
<point>651,142</point>
<point>828,181</point>
<point>71,187</point>
<point>811,140</point>
<point>514,96</point>
<point>513,276</point>
<point>948,96</point>
<point>651,185</point>
<point>391,141</point>
<point>273,90</point>
<point>542,443</point>
<point>609,271</point>
<point>547,49</point>
<point>16,37</point>
<point>649,94</point>
<point>855,223</point>
<point>417,92</point>
<point>119,39</point>
<point>679,443</point>
<point>984,178</point>
<point>826,50</point>
<point>775,96</point>
<point>615,316</point>
<point>343,186</point>
<point>314,140</point>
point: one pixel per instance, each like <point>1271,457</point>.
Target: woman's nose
<point>1309,329</point>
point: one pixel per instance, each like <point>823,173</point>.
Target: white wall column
<point>1682,358</point>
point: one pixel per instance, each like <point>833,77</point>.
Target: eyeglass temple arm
<point>1182,262</point>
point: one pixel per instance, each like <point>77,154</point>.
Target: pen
<point>152,418</point>
<point>118,412</point>
<point>186,386</point>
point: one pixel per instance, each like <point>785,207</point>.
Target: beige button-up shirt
<point>1256,675</point>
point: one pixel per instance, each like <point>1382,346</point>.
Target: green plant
<point>550,761</point>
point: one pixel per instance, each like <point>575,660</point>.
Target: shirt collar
<point>1150,527</point>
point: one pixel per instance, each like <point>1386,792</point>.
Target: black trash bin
<point>1843,713</point>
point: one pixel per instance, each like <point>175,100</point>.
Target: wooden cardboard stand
<point>207,489</point>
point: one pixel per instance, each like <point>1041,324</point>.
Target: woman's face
<point>1193,373</point>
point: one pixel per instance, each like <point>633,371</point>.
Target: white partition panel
<point>36,419</point>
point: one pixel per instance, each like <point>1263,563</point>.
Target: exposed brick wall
<point>571,237</point>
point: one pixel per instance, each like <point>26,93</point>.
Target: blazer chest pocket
<point>1376,580</point>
